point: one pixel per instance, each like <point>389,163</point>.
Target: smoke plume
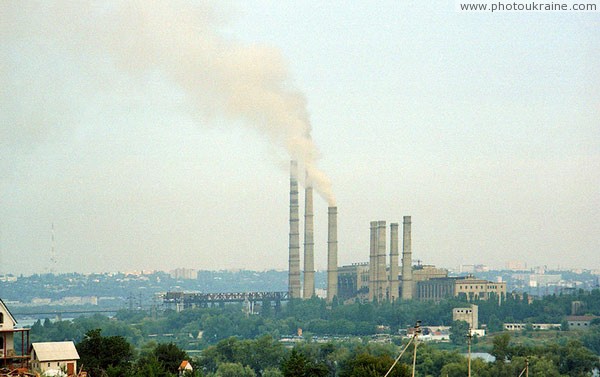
<point>180,41</point>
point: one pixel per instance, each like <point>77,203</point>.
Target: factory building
<point>353,282</point>
<point>478,289</point>
<point>435,289</point>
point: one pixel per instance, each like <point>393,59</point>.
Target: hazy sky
<point>158,135</point>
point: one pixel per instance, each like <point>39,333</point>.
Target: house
<point>10,357</point>
<point>52,357</point>
<point>185,367</point>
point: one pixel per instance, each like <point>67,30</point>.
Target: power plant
<point>380,279</point>
<point>384,282</point>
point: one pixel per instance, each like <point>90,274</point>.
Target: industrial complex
<point>380,279</point>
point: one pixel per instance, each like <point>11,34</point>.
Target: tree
<point>455,369</point>
<point>100,354</point>
<point>234,370</point>
<point>542,367</point>
<point>494,324</point>
<point>298,365</point>
<point>576,360</point>
<point>367,365</point>
<point>169,356</point>
<point>294,365</point>
<point>459,332</point>
<point>591,339</point>
<point>149,366</point>
<point>500,349</point>
<point>272,372</point>
<point>261,353</point>
<point>430,360</point>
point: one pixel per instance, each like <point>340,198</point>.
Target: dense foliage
<point>266,357</point>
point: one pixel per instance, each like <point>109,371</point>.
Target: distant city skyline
<point>186,272</point>
<point>158,135</point>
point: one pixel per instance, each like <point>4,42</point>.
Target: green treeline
<point>112,356</point>
<point>226,341</point>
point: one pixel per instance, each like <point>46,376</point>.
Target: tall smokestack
<point>309,244</point>
<point>394,267</point>
<point>382,286</point>
<point>294,241</point>
<point>407,279</point>
<point>332,248</point>
<point>373,262</point>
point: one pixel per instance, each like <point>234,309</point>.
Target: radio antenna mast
<point>52,254</point>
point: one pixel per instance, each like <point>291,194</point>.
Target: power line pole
<point>417,332</point>
<point>469,337</point>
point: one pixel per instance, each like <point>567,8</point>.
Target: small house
<point>54,357</point>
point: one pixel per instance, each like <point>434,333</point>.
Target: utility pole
<point>417,332</point>
<point>526,369</point>
<point>414,338</point>
<point>469,338</point>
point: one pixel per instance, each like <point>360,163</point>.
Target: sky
<point>147,135</point>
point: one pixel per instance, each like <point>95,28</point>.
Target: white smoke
<point>180,40</point>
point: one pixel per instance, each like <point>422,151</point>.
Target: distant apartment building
<point>184,273</point>
<point>516,265</point>
<point>472,268</point>
<point>41,301</point>
<point>79,300</point>
<point>544,280</point>
<point>8,278</point>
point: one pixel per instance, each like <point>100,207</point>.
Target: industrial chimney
<point>373,261</point>
<point>332,248</point>
<point>394,267</point>
<point>382,286</point>
<point>407,279</point>
<point>309,244</point>
<point>294,241</point>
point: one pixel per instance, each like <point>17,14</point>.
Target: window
<point>1,318</point>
